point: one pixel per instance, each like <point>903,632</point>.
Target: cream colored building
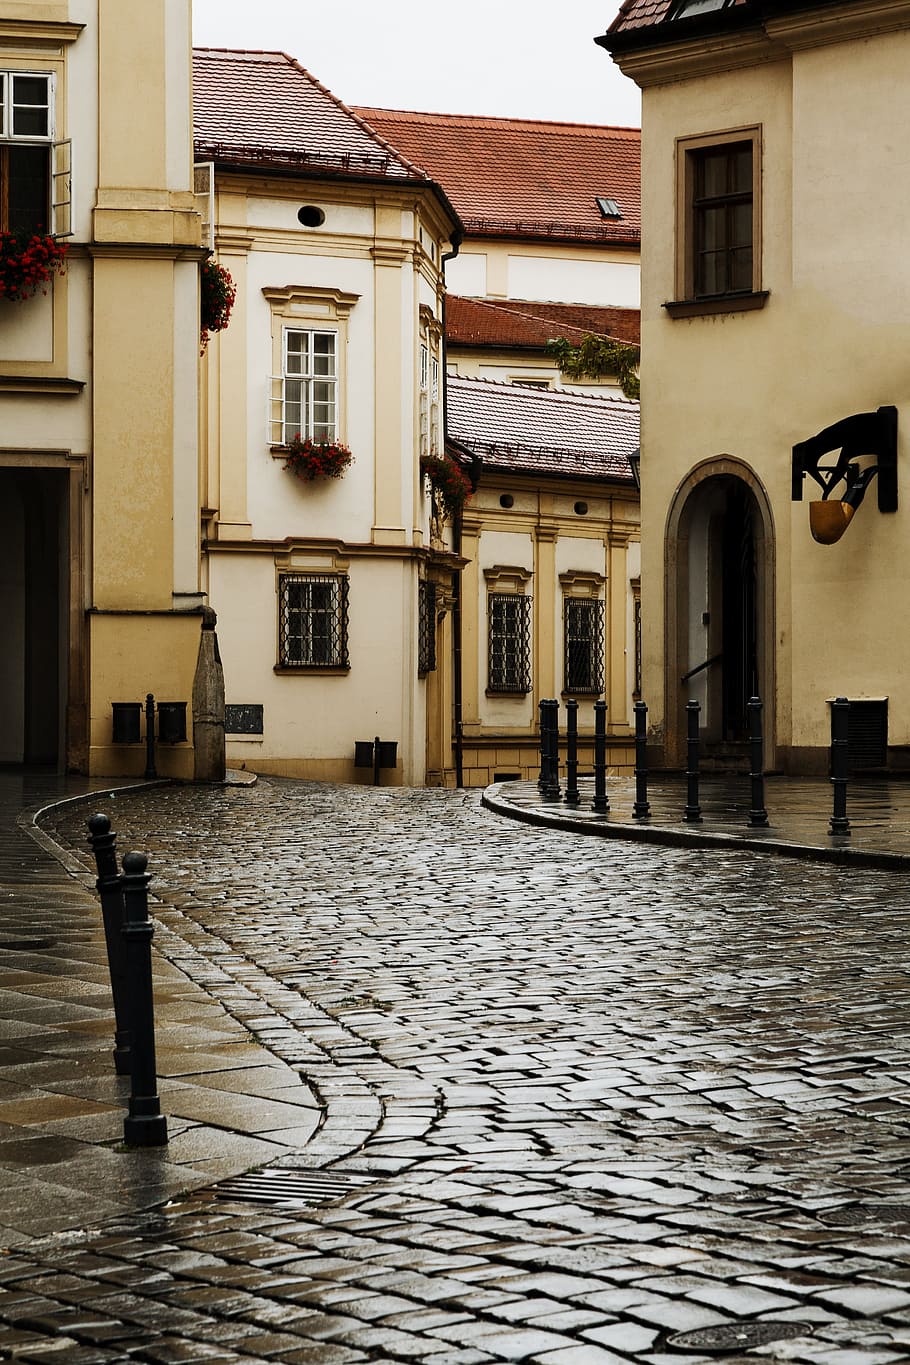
<point>775,291</point>
<point>549,595</point>
<point>331,598</point>
<point>99,545</point>
<point>552,222</point>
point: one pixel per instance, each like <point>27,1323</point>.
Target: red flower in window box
<point>217,294</point>
<point>450,486</point>
<point>311,460</point>
<point>28,261</point>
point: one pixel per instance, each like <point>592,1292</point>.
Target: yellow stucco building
<point>774,306</point>
<point>99,545</point>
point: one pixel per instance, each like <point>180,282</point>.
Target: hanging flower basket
<point>217,295</point>
<point>28,261</point>
<point>450,486</point>
<point>311,460</point>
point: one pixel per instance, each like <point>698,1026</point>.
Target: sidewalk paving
<point>584,1105</point>
<point>230,1103</point>
<point>799,811</point>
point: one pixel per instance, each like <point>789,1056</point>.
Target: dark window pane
<point>29,189</point>
<point>741,170</point>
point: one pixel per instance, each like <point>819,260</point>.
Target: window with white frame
<point>313,620</point>
<point>35,188</point>
<point>306,401</point>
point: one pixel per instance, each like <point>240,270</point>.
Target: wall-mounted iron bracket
<point>867,443</point>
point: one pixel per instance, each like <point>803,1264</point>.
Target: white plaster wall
<point>466,274</point>
<point>549,279</point>
<point>280,505</point>
<point>309,714</point>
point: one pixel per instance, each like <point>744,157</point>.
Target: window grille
<point>304,396</point>
<point>509,642</point>
<point>583,625</point>
<point>313,621</point>
<point>426,642</point>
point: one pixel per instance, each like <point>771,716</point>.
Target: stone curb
<point>494,800</point>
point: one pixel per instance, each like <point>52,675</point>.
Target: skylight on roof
<point>608,207</point>
<point>684,8</point>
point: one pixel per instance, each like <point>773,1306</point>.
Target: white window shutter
<point>62,188</point>
<point>204,190</point>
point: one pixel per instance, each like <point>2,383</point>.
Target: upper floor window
<point>722,219</point>
<point>719,222</point>
<point>308,388</point>
<point>308,401</point>
<point>34,170</point>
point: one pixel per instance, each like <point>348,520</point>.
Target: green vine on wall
<point>597,356</point>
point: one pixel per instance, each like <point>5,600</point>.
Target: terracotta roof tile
<point>533,431</point>
<point>635,14</point>
<point>524,176</point>
<point>264,107</point>
<point>516,323</point>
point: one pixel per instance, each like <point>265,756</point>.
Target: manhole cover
<point>25,945</point>
<point>737,1336</point>
<point>860,1215</point>
<point>288,1189</point>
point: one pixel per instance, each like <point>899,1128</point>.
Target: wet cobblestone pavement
<point>611,1102</point>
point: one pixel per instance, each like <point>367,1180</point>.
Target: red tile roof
<point>264,108</point>
<point>524,177</point>
<point>635,14</point>
<point>515,323</point>
<point>536,431</point>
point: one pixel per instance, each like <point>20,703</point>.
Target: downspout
<point>457,688</point>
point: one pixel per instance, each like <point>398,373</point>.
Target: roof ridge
<point>535,317</point>
<point>530,395</point>
<point>500,119</point>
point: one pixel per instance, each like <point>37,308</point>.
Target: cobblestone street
<point>595,1102</point>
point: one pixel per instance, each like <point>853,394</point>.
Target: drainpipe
<point>457,687</point>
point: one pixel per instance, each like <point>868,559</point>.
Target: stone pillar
<point>208,706</point>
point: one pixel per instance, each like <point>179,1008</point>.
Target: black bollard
<point>757,815</point>
<point>145,1125</point>
<point>601,802</point>
<point>544,746</point>
<point>840,724</point>
<point>572,796</point>
<point>102,840</point>
<point>150,770</point>
<point>692,812</point>
<point>551,790</point>
<point>642,807</point>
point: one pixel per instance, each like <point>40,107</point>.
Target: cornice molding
<point>772,40</point>
<point>39,32</point>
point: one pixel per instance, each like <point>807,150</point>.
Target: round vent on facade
<point>506,500</point>
<point>311,215</point>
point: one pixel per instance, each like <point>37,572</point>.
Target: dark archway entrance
<point>34,610</point>
<point>719,600</point>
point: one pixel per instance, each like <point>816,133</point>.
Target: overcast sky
<point>513,58</point>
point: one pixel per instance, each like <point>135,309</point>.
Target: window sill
<point>519,692</point>
<point>314,670</point>
<point>30,383</point>
<point>722,303</point>
<point>582,693</point>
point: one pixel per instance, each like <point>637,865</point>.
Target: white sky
<point>512,58</point>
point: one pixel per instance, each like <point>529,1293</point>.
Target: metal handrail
<point>701,668</point>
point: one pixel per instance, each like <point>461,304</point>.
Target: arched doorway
<point>719,600</point>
